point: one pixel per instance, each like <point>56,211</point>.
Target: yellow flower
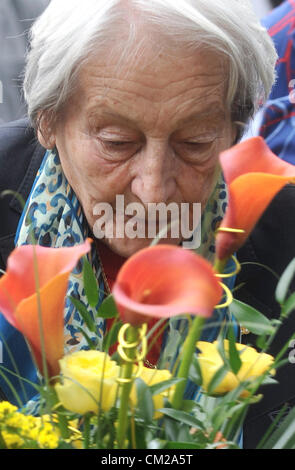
<point>12,440</point>
<point>15,420</point>
<point>25,431</point>
<point>48,437</point>
<point>152,377</point>
<point>254,364</point>
<point>6,408</point>
<point>85,375</point>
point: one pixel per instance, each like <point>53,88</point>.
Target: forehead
<point>154,82</point>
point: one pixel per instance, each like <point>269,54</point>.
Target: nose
<point>154,178</point>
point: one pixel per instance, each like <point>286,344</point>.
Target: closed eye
<point>195,151</point>
<point>118,149</point>
<point>116,143</point>
<point>195,144</point>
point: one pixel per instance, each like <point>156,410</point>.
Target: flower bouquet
<point>198,395</point>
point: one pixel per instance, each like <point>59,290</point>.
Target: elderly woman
<point>135,98</point>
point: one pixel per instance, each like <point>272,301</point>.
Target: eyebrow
<point>106,111</point>
<point>215,112</point>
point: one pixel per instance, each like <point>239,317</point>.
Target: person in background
<point>277,124</point>
<point>16,18</point>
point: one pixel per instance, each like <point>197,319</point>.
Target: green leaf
<point>261,342</point>
<point>250,318</point>
<point>181,445</point>
<point>2,442</point>
<point>90,284</point>
<point>217,379</point>
<point>89,341</point>
<point>284,282</point>
<point>108,308</point>
<point>112,336</point>
<point>183,417</point>
<point>284,436</point>
<point>65,445</point>
<point>145,404</point>
<point>269,381</point>
<point>195,372</point>
<point>171,428</point>
<point>288,305</point>
<point>140,434</point>
<point>272,427</point>
<point>162,386</point>
<point>221,350</point>
<point>188,405</point>
<point>13,390</point>
<point>87,317</point>
<point>234,356</point>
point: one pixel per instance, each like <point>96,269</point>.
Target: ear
<point>45,131</point>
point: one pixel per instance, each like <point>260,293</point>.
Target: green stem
<point>127,369</point>
<point>187,355</point>
<point>51,407</point>
<point>86,431</point>
<point>220,264</point>
<point>190,347</point>
<point>2,442</point>
<point>63,426</point>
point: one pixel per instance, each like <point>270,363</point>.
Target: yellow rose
<point>85,375</point>
<point>153,377</point>
<point>254,364</point>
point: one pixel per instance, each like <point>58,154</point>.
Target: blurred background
<point>16,17</point>
<point>262,7</point>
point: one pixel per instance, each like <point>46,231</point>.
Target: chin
<point>127,247</point>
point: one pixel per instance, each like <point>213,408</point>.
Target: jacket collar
<point>28,180</point>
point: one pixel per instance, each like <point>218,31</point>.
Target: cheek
<point>90,175</point>
<point>196,184</point>
<point>198,181</point>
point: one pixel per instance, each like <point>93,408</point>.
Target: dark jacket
<point>271,244</point>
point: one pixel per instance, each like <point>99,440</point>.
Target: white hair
<point>70,31</point>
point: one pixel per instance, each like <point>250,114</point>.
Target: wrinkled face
<point>151,132</point>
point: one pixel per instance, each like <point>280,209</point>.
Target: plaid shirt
<point>278,121</point>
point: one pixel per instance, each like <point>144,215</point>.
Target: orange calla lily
<point>164,281</point>
<point>254,175</point>
<point>19,300</point>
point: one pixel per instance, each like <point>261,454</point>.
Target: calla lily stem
<point>190,347</point>
<point>187,355</point>
<point>127,369</point>
<point>220,264</point>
